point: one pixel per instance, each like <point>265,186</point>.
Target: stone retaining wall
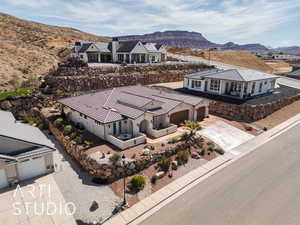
<point>249,112</point>
<point>104,168</point>
<point>86,79</point>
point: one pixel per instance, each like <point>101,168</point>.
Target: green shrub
<point>137,183</point>
<point>164,164</point>
<point>182,157</point>
<point>154,179</point>
<point>210,147</point>
<point>68,129</point>
<point>174,139</point>
<point>58,123</point>
<point>220,151</point>
<point>88,143</point>
<point>73,135</point>
<point>115,157</point>
<point>79,140</point>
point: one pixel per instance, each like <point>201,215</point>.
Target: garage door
<point>201,113</point>
<point>31,168</point>
<point>179,117</point>
<point>3,179</point>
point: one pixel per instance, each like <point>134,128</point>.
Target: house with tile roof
<point>235,83</point>
<point>124,116</point>
<point>116,51</point>
<point>25,152</point>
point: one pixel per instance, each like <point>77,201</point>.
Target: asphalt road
<point>262,188</point>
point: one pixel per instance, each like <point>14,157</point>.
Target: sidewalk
<point>154,202</point>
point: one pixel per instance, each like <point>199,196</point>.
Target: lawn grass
<point>19,92</point>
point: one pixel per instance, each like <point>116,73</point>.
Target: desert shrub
<point>58,123</point>
<point>174,139</point>
<point>73,135</point>
<point>115,157</point>
<point>182,157</point>
<point>220,151</point>
<point>154,179</point>
<point>210,147</point>
<point>164,164</point>
<point>79,140</point>
<point>68,129</point>
<point>137,183</point>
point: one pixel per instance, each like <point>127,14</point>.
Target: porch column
<point>129,58</point>
<point>220,89</point>
<point>242,90</point>
<point>99,57</point>
<point>124,58</point>
<point>140,58</point>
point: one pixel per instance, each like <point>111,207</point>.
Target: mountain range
<point>197,40</point>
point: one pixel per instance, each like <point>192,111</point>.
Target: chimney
<point>77,46</point>
<point>114,47</point>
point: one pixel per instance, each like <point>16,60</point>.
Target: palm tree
<point>190,137</point>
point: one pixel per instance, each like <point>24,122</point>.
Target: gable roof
<point>127,46</point>
<point>118,103</point>
<point>11,129</point>
<point>233,74</point>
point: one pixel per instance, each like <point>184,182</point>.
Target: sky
<point>270,22</point>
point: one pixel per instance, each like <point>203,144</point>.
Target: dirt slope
<point>238,58</point>
<point>279,66</point>
<point>29,50</point>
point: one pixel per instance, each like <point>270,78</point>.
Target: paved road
<point>283,80</point>
<point>260,189</point>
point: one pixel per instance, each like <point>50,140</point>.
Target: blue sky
<point>270,22</point>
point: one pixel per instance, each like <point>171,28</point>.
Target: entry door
<point>205,86</point>
<point>3,179</point>
<point>31,168</point>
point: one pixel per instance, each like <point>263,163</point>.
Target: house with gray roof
<point>235,83</point>
<point>124,116</point>
<point>119,52</point>
<point>25,152</point>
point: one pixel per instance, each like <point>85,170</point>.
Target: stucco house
<point>25,152</point>
<point>124,116</point>
<point>235,83</point>
<point>119,52</point>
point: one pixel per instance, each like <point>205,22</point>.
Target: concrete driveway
<point>76,185</point>
<point>225,135</point>
<point>36,202</point>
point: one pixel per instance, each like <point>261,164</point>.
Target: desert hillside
<point>238,58</point>
<point>29,50</point>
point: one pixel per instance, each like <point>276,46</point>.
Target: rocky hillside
<point>289,50</point>
<point>175,39</point>
<point>28,49</point>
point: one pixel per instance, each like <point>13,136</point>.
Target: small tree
<point>137,183</point>
<point>182,157</point>
<point>193,126</point>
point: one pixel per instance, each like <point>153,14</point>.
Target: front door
<point>114,129</point>
<point>205,86</point>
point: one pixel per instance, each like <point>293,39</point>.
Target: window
<point>84,116</point>
<point>266,82</point>
<point>196,83</point>
<point>236,86</point>
<point>245,87</point>
<point>193,83</point>
<point>260,86</point>
<point>215,85</point>
<point>120,57</point>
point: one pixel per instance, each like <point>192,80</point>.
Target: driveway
<point>225,135</point>
<point>36,202</point>
<point>77,186</point>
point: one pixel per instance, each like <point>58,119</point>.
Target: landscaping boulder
<point>160,174</point>
<point>195,155</point>
<point>146,152</point>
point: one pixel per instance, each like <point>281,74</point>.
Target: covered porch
<point>132,58</point>
<point>235,89</point>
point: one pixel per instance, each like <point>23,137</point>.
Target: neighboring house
<point>236,83</point>
<point>124,116</point>
<point>285,57</point>
<point>25,152</point>
<point>119,52</point>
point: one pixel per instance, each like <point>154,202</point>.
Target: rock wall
<point>86,79</point>
<point>249,112</point>
<point>100,166</point>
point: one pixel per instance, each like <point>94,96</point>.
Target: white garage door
<point>3,179</point>
<point>31,168</point>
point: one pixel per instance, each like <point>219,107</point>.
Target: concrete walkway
<point>148,206</point>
